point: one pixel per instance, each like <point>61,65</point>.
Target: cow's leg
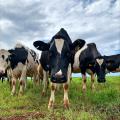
<point>45,81</point>
<point>22,86</point>
<point>92,82</point>
<point>35,80</point>
<point>10,83</point>
<point>39,72</point>
<point>65,87</point>
<point>2,79</point>
<point>9,75</point>
<point>22,81</point>
<point>13,82</point>
<point>38,79</point>
<point>52,97</point>
<point>66,100</point>
<point>84,83</point>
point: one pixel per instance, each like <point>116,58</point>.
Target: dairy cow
<point>84,59</point>
<point>21,63</point>
<point>105,64</point>
<point>56,59</point>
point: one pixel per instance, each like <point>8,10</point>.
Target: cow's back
<point>18,55</point>
<point>89,54</point>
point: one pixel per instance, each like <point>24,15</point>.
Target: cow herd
<point>60,58</point>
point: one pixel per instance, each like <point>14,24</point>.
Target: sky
<point>25,21</point>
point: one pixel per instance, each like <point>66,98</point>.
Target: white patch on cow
<point>37,47</point>
<point>59,73</point>
<point>100,61</point>
<point>32,66</point>
<point>66,95</point>
<point>59,44</point>
<point>3,63</point>
<point>76,57</point>
<point>18,70</point>
<point>52,98</point>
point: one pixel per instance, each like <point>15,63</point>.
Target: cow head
<point>4,60</point>
<point>60,52</point>
<point>100,68</point>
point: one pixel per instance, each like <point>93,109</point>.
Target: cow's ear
<point>11,51</point>
<point>40,45</point>
<point>110,61</point>
<point>78,43</point>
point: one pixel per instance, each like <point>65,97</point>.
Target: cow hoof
<point>50,105</point>
<point>20,93</point>
<point>66,104</point>
<point>84,90</point>
<point>12,93</point>
<point>43,93</point>
<point>93,88</point>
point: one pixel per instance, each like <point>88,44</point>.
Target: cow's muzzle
<point>103,80</point>
<point>1,72</point>
<point>58,79</point>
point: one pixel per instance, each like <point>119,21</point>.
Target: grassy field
<point>102,104</point>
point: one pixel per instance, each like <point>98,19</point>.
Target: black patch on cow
<point>112,62</point>
<point>18,55</point>
<point>62,34</point>
<point>40,45</point>
<point>78,43</point>
<point>44,60</point>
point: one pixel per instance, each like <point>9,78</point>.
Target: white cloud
<point>98,7</point>
<point>5,25</point>
<point>6,2</point>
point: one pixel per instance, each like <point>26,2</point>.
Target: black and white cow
<point>84,60</point>
<point>56,59</point>
<point>105,64</point>
<point>21,63</point>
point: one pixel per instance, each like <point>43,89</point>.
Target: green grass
<point>102,104</point>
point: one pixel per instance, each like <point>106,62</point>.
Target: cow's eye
<point>3,57</point>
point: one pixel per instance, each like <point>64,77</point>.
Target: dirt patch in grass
<point>30,115</point>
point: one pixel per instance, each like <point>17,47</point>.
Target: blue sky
<point>93,20</point>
